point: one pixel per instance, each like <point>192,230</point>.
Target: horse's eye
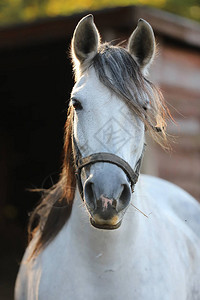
<point>76,104</point>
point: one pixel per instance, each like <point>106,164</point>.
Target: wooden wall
<point>177,71</point>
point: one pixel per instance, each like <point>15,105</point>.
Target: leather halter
<point>81,162</point>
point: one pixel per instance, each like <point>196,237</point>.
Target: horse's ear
<point>141,44</point>
<point>86,39</point>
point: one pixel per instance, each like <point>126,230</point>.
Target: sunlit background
<point>17,11</point>
<point>36,80</point>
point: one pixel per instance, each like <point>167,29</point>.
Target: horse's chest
<point>72,280</point>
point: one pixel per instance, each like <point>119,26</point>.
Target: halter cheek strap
<point>81,162</point>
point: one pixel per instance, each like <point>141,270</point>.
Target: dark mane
<point>55,208</point>
<point>120,73</point>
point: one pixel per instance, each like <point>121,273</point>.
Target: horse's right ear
<point>86,40</point>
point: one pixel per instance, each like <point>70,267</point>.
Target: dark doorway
<point>36,82</point>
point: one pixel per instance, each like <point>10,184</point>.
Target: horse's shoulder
<point>165,188</point>
<point>173,200</point>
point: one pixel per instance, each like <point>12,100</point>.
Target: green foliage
<point>186,8</point>
<point>17,11</point>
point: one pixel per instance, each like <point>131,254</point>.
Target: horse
<point>105,231</point>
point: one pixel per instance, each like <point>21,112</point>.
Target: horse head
<point>109,104</point>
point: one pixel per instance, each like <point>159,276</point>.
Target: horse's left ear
<point>141,44</point>
<point>86,39</point>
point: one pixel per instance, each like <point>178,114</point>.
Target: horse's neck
<point>90,243</point>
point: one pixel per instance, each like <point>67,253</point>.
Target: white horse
<point>90,241</point>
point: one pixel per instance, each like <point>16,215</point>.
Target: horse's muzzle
<point>105,215</point>
<point>105,226</point>
<point>107,194</point>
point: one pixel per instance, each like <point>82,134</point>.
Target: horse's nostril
<point>125,195</point>
<point>89,194</point>
<point>114,203</point>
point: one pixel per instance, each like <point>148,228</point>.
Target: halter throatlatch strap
<point>81,162</point>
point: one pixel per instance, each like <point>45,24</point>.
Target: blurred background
<point>35,84</point>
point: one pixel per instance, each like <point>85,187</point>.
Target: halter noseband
<point>81,162</point>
